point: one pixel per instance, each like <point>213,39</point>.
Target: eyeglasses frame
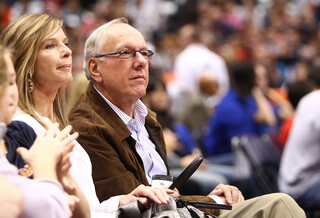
<point>150,53</point>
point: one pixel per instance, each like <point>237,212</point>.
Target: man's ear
<point>94,70</point>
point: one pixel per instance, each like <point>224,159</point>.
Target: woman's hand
<point>48,150</point>
<point>146,195</point>
<point>73,202</point>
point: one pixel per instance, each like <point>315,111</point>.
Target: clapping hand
<point>49,149</point>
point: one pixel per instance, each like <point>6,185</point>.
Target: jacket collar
<point>101,107</point>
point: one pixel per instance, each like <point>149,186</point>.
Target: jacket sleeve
<point>115,168</point>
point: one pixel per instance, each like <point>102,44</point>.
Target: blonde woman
<point>43,66</point>
<point>43,196</point>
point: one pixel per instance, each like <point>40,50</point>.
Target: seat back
<point>257,158</point>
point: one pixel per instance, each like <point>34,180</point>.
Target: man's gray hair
<point>94,43</point>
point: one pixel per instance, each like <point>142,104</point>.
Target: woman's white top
<point>81,170</point>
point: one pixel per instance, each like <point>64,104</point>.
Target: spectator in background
<point>276,97</point>
<point>22,7</point>
<point>296,90</point>
<point>314,76</point>
<point>167,50</point>
<point>201,105</point>
<point>139,13</point>
<point>72,13</point>
<point>299,173</point>
<point>196,60</point>
<point>244,110</point>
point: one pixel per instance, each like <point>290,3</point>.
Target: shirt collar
<point>140,111</point>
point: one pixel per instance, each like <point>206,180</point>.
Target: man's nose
<point>139,61</point>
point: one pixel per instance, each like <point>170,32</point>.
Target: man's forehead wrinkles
<point>126,42</point>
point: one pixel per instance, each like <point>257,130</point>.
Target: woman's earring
<point>31,86</point>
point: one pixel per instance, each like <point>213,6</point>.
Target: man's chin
<point>142,94</point>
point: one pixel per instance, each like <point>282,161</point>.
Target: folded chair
<point>257,159</point>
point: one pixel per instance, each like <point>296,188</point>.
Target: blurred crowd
<point>282,34</point>
<point>195,43</point>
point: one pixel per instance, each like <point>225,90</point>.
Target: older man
<point>123,138</point>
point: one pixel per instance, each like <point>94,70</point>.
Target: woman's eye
<point>52,45</point>
<point>67,44</point>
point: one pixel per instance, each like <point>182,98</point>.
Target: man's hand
<point>174,193</point>
<point>229,194</point>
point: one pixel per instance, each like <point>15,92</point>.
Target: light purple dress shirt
<point>152,161</point>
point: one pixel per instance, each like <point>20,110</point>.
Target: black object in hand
<point>186,173</point>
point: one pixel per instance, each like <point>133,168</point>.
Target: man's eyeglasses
<point>129,53</point>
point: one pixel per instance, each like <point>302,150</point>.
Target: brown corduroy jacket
<point>116,166</point>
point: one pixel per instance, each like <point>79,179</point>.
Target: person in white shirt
<point>299,173</point>
<point>195,61</point>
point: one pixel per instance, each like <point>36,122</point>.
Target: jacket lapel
<point>101,107</point>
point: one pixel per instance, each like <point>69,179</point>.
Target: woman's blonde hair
<point>24,36</point>
<point>4,75</point>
